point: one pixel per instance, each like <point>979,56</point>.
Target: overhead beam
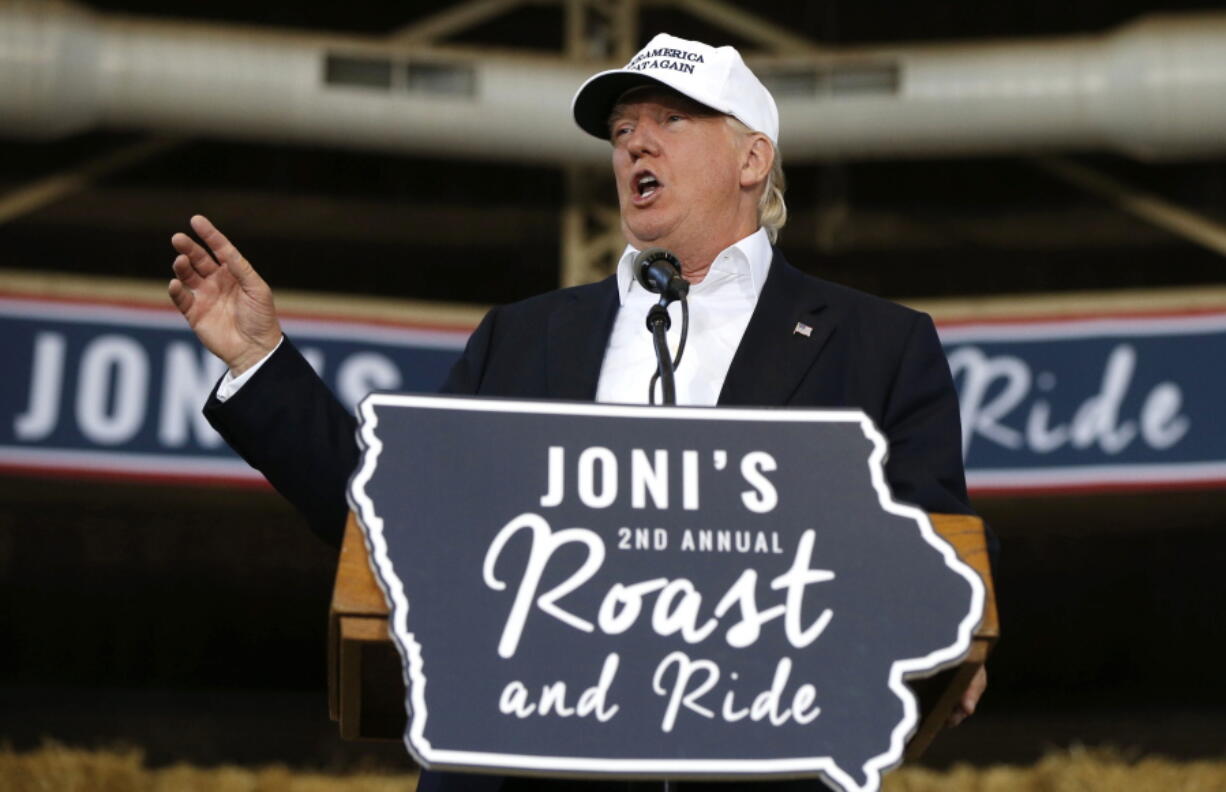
<point>452,20</point>
<point>1153,209</point>
<point>622,17</point>
<point>746,25</point>
<point>51,189</point>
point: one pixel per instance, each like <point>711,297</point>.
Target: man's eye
<point>676,117</point>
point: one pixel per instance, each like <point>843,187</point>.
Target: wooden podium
<point>366,683</point>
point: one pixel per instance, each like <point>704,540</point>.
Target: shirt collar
<point>751,255</point>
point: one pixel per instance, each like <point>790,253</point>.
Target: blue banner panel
<point>117,390</point>
<point>1096,403</point>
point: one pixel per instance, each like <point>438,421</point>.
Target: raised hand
<point>226,303</point>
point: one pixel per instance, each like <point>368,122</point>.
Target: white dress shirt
<point>720,307</point>
<point>230,383</point>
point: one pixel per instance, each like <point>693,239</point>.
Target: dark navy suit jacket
<point>863,352</point>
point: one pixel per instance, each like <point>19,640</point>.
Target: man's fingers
<point>185,272</point>
<point>979,683</point>
<point>961,712</point>
<point>180,295</point>
<point>223,249</point>
<point>969,702</point>
<point>970,698</point>
<point>198,257</point>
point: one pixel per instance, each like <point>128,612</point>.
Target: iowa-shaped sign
<point>602,591</point>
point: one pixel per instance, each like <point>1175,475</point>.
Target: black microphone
<point>658,271</point>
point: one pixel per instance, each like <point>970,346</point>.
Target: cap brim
<point>595,98</point>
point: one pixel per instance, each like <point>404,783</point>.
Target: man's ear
<point>757,157</point>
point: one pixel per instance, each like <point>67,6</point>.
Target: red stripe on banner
<point>340,318</point>
<point>1096,488</point>
<point>138,305</point>
<point>1080,317</point>
<point>114,302</point>
<point>255,481</point>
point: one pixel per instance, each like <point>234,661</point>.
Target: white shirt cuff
<point>231,384</point>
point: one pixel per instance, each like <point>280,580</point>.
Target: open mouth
<point>646,185</point>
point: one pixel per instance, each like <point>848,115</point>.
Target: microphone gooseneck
<point>659,271</point>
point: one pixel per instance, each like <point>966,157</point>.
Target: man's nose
<point>643,140</point>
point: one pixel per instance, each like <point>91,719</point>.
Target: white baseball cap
<point>714,76</point>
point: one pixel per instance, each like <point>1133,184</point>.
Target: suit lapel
<point>578,335</point>
<point>773,357</point>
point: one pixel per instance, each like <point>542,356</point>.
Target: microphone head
<point>655,268</point>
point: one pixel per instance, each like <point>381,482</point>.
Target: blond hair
<point>772,209</point>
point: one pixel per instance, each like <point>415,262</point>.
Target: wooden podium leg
<point>358,634</point>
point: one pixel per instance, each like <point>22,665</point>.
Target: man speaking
<point>694,147</point>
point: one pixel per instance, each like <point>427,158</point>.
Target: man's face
<point>676,163</point>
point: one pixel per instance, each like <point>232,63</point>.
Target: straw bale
<point>58,768</point>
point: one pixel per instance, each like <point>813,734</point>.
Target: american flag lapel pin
<point>802,329</point>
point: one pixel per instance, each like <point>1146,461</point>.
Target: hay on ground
<point>57,768</point>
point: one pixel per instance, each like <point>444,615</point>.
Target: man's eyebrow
<point>617,114</point>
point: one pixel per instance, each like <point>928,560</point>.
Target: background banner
<point>117,390</point>
<point>1070,404</point>
<point>1095,403</point>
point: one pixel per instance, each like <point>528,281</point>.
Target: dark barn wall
<point>188,621</point>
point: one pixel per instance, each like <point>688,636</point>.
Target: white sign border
<point>410,649</point>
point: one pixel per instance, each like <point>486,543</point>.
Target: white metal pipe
<point>48,57</point>
<point>1154,89</point>
<point>64,70</point>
